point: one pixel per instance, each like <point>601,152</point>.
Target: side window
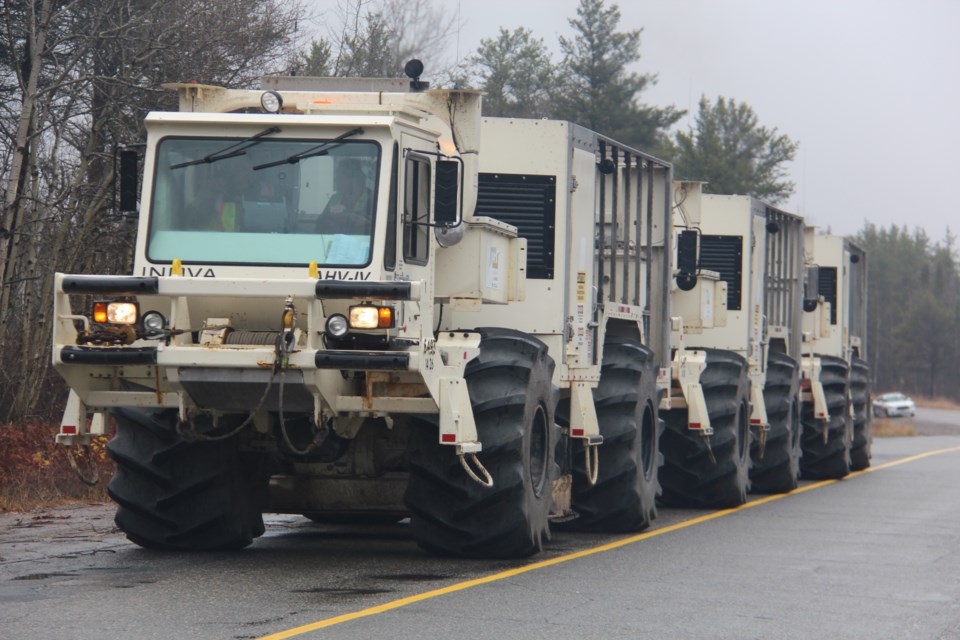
<point>390,246</point>
<point>416,210</point>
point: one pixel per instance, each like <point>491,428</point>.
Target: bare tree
<point>81,76</point>
<point>375,38</point>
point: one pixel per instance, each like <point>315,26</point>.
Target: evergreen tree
<point>734,154</point>
<point>913,331</point>
<point>595,87</point>
<point>516,72</point>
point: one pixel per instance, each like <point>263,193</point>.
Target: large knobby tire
<point>862,432</point>
<point>689,478</point>
<point>181,495</point>
<point>513,405</point>
<point>777,470</point>
<point>826,458</point>
<point>626,399</point>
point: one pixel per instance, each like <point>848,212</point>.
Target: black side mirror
<point>811,288</point>
<point>687,258</point>
<point>446,192</point>
<point>128,182</point>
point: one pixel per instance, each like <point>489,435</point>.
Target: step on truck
<point>836,375</point>
<point>732,416</point>
<point>360,301</point>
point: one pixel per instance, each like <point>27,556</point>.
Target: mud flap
<point>457,426</point>
<point>73,425</point>
<point>583,414</point>
<point>698,419</point>
<point>758,414</point>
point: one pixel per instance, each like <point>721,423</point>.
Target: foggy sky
<point>870,88</point>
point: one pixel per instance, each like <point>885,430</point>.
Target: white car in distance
<point>894,404</point>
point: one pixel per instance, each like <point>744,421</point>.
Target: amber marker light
<point>100,312</point>
<point>386,318</point>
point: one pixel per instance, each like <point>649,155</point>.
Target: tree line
<point>77,78</point>
<point>913,311</point>
<point>592,84</point>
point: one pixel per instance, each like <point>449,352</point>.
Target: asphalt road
<point>939,421</point>
<point>874,556</point>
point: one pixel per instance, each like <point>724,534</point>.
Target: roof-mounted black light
<point>413,70</point>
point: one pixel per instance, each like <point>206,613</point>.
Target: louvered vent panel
<point>724,254</point>
<point>828,289</point>
<point>527,202</point>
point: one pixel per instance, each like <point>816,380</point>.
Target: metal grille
<point>784,270</point>
<point>529,203</point>
<point>828,290</point>
<point>724,254</point>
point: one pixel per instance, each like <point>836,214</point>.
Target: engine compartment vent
<point>724,254</point>
<point>528,202</point>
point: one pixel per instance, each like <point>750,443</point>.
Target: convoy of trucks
<point>363,301</point>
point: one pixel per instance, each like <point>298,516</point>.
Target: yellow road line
<point>503,575</point>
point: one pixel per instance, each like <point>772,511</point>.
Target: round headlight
<point>271,101</point>
<point>337,325</point>
<point>153,322</point>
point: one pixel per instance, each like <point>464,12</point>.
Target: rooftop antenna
<point>459,26</point>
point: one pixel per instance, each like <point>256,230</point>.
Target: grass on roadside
<point>936,403</point>
<point>890,428</point>
<point>35,471</point>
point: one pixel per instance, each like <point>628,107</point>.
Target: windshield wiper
<point>225,153</point>
<point>319,150</point>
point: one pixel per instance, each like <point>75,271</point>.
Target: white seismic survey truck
<point>836,375</point>
<point>738,292</point>
<point>361,301</point>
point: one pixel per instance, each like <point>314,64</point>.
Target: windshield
<point>228,208</point>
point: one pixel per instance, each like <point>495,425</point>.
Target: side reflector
<point>576,433</point>
<point>69,429</point>
<point>448,437</point>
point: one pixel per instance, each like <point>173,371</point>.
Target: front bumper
<point>895,412</point>
<point>195,369</point>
